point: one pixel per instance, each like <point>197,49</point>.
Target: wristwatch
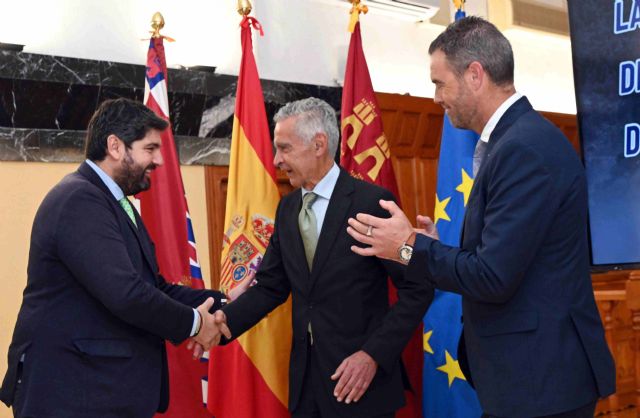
<point>405,252</point>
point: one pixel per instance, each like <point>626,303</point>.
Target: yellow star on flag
<point>451,368</point>
<point>440,212</point>
<point>425,342</point>
<point>465,186</point>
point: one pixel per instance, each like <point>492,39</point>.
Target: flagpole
<point>459,5</point>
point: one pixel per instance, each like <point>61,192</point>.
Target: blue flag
<point>446,392</point>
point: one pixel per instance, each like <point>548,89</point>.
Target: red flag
<point>166,216</point>
<point>365,153</point>
<point>249,377</point>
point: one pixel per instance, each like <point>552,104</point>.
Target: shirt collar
<point>497,115</point>
<point>325,186</point>
<point>113,187</point>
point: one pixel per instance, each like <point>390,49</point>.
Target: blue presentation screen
<point>605,40</point>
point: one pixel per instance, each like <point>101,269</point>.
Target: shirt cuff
<point>195,323</point>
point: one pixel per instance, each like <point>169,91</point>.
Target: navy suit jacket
<point>344,297</point>
<point>534,340</point>
<point>95,313</point>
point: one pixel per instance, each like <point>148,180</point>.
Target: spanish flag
<point>249,377</point>
<point>365,153</point>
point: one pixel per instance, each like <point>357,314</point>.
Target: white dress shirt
<point>497,115</point>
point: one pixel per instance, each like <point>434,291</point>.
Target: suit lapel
<point>334,222</point>
<point>143,239</point>
<point>519,108</point>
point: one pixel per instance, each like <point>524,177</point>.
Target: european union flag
<point>446,392</point>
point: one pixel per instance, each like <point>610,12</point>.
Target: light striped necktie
<point>126,205</point>
<point>308,227</point>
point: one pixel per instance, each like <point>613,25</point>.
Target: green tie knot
<point>308,199</point>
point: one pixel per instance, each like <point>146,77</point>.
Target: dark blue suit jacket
<point>95,313</point>
<point>534,340</point>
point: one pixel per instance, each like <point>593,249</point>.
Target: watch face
<point>406,252</point>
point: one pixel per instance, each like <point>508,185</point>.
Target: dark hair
<point>127,119</point>
<point>474,39</point>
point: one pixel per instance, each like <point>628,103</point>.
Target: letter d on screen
<point>631,140</point>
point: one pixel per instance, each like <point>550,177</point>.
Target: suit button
<point>310,306</point>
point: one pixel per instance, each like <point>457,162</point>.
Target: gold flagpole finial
<point>157,23</point>
<point>356,9</point>
<point>244,7</point>
<point>459,4</point>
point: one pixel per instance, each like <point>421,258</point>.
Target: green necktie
<point>308,226</point>
<point>126,205</point>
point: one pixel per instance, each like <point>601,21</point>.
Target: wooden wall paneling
<point>618,323</point>
<point>622,348</point>
<point>413,126</point>
<point>568,124</point>
<point>405,171</point>
<point>216,179</point>
<point>427,177</point>
<point>633,301</point>
<point>607,301</point>
<point>417,184</point>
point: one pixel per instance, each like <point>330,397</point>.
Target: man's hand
<point>212,328</point>
<point>198,350</point>
<point>427,227</point>
<point>355,373</point>
<point>384,235</point>
<point>221,319</point>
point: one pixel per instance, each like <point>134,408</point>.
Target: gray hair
<point>313,116</point>
<point>474,39</point>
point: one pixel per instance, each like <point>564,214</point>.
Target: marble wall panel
<point>46,103</point>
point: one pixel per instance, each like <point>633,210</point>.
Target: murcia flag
<point>365,153</point>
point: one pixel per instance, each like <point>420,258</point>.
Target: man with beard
<point>533,343</point>
<point>89,339</point>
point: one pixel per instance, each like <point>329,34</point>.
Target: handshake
<point>209,331</point>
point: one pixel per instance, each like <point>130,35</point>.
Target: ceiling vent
<point>413,9</point>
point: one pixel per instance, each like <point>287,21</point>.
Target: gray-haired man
<point>347,340</point>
